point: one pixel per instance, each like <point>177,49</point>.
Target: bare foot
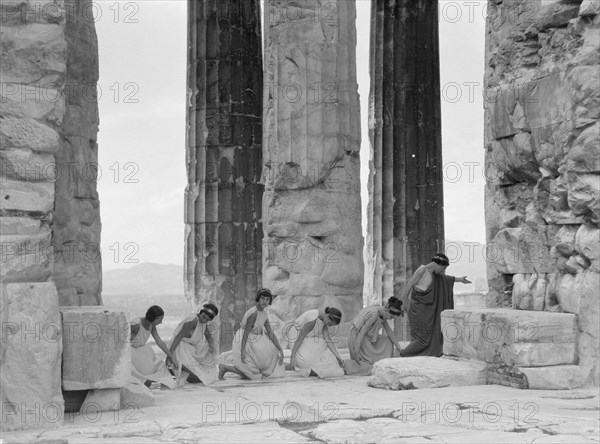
<point>222,372</point>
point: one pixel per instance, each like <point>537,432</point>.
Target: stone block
<point>27,165</point>
<point>557,377</point>
<point>26,250</point>
<point>31,356</point>
<point>136,395</point>
<point>33,53</point>
<point>96,349</point>
<point>427,372</point>
<point>514,336</point>
<point>101,400</point>
<point>521,250</point>
<point>28,134</point>
<point>33,102</point>
<point>27,196</point>
<point>587,243</point>
<point>584,194</point>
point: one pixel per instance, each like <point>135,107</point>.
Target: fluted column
<point>406,197</point>
<point>313,244</point>
<point>223,229</point>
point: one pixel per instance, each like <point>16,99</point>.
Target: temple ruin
<point>273,196</point>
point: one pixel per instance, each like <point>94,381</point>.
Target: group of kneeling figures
<point>257,353</point>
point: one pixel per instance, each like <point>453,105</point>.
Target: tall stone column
<point>312,251</point>
<point>405,191</point>
<point>223,229</point>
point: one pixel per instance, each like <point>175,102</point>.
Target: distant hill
<point>145,278</point>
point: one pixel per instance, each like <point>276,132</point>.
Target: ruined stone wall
<point>312,249</point>
<point>543,161</point>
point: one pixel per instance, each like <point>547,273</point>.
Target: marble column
<point>223,227</point>
<point>312,251</point>
<point>405,188</point>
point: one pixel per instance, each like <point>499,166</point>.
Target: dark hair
<point>394,303</point>
<point>210,309</point>
<point>154,313</point>
<point>264,292</point>
<point>334,314</point>
<point>441,259</point>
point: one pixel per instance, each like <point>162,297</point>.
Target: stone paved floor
<point>344,410</point>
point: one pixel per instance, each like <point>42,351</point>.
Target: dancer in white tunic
<point>194,347</point>
<point>256,350</point>
<point>146,366</point>
<point>314,354</point>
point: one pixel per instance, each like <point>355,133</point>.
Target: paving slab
<point>295,409</point>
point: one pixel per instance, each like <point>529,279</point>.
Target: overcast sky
<point>142,47</point>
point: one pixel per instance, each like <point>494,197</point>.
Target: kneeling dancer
<point>314,353</point>
<point>194,347</point>
<point>256,350</point>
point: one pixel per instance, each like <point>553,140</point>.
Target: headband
<point>209,311</point>
<point>441,260</point>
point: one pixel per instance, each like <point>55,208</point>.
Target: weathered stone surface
<point>136,395</point>
<point>26,251</point>
<point>90,332</point>
<point>37,197</point>
<point>557,377</point>
<point>28,134</point>
<point>529,291</point>
<point>584,194</point>
<point>27,165</point>
<point>533,338</point>
<point>76,226</point>
<point>521,250</point>
<point>33,53</point>
<point>584,157</point>
<point>223,208</point>
<point>586,242</point>
<point>101,400</point>
<point>31,356</point>
<point>33,102</point>
<point>426,372</point>
<point>311,205</point>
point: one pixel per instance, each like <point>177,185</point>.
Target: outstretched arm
<point>306,329</point>
<point>186,329</point>
<point>210,339</point>
<point>274,340</point>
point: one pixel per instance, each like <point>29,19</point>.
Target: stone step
<point>512,337</point>
<point>427,372</point>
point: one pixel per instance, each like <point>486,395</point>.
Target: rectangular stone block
<point>30,363</point>
<point>517,337</point>
<point>557,377</point>
<point>27,196</point>
<point>96,349</point>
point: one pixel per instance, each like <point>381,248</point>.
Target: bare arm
<point>415,278</point>
<point>332,346</point>
<point>186,329</point>
<point>391,335</point>
<point>162,345</point>
<point>247,330</point>
<point>361,335</point>
<point>306,329</point>
<point>274,340</point>
<point>210,339</point>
